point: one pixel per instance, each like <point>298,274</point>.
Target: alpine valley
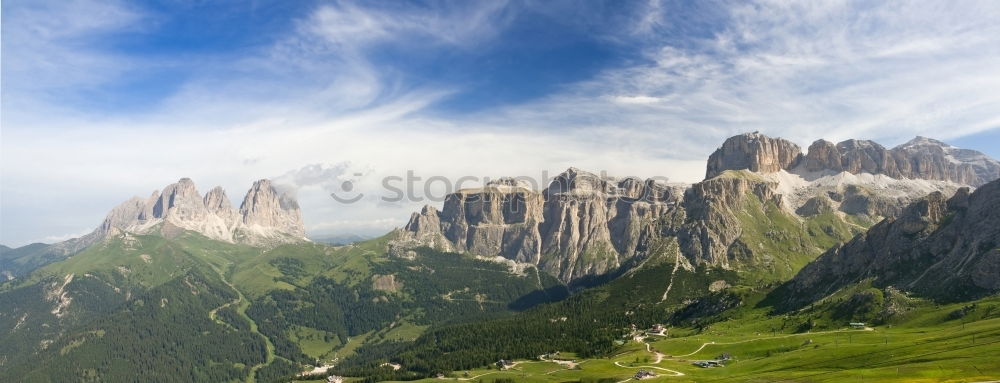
<point>849,261</point>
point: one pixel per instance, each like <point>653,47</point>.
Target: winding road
<point>659,358</point>
<point>243,304</point>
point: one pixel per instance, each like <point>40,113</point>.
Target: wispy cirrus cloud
<point>884,71</point>
<point>348,25</point>
<point>50,53</point>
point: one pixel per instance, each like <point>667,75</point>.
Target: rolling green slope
<point>320,306</point>
<point>132,307</point>
<point>915,340</point>
<point>190,309</point>
<point>924,352</point>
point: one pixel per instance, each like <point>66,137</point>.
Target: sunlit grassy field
<point>928,348</point>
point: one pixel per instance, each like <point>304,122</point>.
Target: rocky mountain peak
<point>823,155</point>
<point>576,181</point>
<point>216,200</point>
<point>755,152</point>
<point>264,209</point>
<point>266,217</point>
<point>181,202</point>
<point>920,141</point>
<point>933,158</point>
<point>218,203</point>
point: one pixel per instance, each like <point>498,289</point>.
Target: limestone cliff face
<point>580,225</point>
<point>755,152</point>
<point>265,218</point>
<point>593,225</point>
<point>823,155</point>
<point>938,247</point>
<point>920,158</point>
<point>857,156</point>
<point>501,218</point>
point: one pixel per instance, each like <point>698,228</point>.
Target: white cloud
<point>63,237</point>
<point>636,99</point>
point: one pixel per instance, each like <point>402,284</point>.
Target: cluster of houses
<point>334,379</point>
<point>708,363</point>
<point>717,362</point>
<point>657,329</point>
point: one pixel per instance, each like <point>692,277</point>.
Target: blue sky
<point>103,100</point>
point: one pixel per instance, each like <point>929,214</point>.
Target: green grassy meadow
<point>929,347</point>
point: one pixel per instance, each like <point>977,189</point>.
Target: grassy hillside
<point>781,243</point>
<point>911,354</point>
<point>918,337</point>
<point>190,309</point>
<point>929,343</point>
<point>135,307</point>
<point>323,305</point>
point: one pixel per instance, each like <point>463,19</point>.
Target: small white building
<point>644,374</point>
<point>658,329</point>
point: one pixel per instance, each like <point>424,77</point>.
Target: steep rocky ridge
<point>938,247</point>
<point>580,225</point>
<point>920,158</point>
<point>265,218</point>
<point>713,208</point>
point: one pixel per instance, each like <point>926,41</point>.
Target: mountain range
<point>583,225</point>
<point>180,286</point>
